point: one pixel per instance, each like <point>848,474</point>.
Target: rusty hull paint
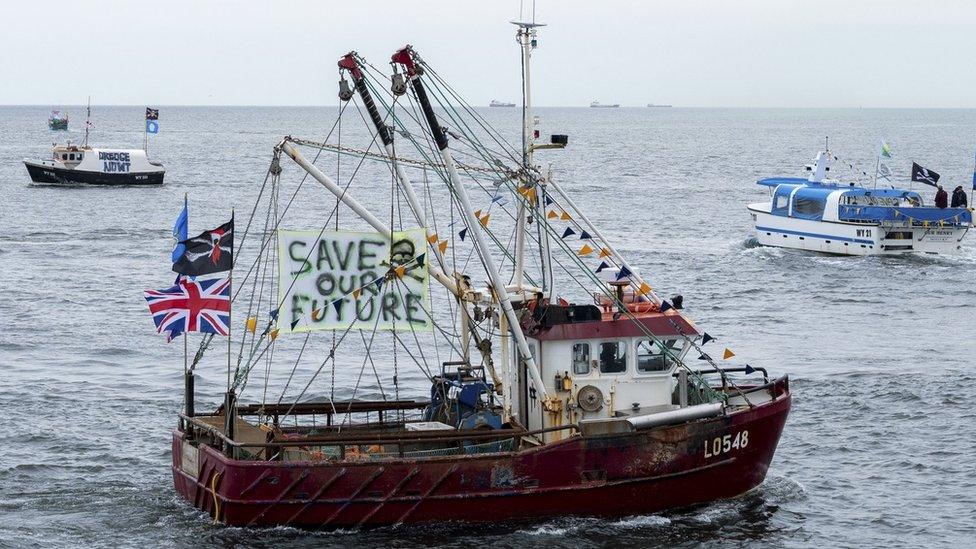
<point>613,475</point>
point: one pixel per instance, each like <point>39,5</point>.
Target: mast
<point>405,57</point>
<point>350,63</point>
<point>87,124</point>
<point>145,130</point>
<point>526,37</point>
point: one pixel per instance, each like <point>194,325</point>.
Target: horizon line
<point>309,105</point>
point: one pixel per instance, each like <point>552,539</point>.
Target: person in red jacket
<point>941,198</point>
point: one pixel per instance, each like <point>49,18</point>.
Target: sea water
<point>879,449</point>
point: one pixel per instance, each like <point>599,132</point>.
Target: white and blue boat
<point>825,215</point>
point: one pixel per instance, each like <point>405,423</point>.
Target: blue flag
<point>180,229</point>
<point>152,126</point>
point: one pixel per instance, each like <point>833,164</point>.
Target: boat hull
<point>52,175</point>
<point>609,475</point>
<point>844,238</point>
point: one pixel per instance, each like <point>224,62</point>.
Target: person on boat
<point>941,198</point>
<point>959,198</point>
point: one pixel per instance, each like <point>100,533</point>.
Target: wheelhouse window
<point>613,357</point>
<point>781,202</point>
<point>808,207</point>
<point>71,156</point>
<point>581,358</point>
<point>80,156</point>
<point>64,156</point>
<point>651,356</point>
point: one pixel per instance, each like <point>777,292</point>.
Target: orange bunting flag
<point>356,292</point>
<point>400,271</point>
<point>565,216</point>
<point>585,250</point>
<point>484,220</point>
<point>644,289</point>
<point>274,334</point>
<point>604,252</point>
<point>477,213</point>
<point>316,314</point>
<point>442,246</point>
<point>728,354</point>
<point>432,239</point>
<point>252,324</point>
<point>552,214</point>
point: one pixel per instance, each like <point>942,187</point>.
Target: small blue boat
<point>825,215</point>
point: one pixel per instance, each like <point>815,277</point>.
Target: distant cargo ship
<point>497,103</point>
<point>598,105</point>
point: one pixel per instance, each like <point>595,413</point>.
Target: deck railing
<point>364,446</point>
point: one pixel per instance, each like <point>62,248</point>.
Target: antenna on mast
<point>87,123</point>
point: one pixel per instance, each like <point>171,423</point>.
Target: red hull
<point>611,475</point>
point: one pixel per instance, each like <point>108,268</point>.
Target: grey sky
<point>764,53</point>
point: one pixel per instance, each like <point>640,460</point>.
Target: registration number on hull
<point>725,444</point>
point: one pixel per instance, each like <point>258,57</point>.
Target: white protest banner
<point>344,278</point>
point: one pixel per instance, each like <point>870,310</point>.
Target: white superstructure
<point>824,215</point>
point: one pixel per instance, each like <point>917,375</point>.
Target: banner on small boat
<point>332,280</point>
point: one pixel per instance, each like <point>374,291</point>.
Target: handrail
<point>341,407</point>
<point>727,370</point>
<point>397,438</point>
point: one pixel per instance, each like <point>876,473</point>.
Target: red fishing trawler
<point>548,404</point>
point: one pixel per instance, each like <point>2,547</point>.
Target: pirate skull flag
<point>923,175</point>
<point>210,252</point>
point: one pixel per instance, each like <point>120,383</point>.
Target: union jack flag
<point>191,306</point>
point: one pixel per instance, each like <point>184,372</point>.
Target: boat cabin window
<point>80,156</point>
<point>781,202</point>
<point>652,358</point>
<point>71,156</point>
<point>613,357</point>
<point>64,156</point>
<point>807,207</point>
<point>581,358</point>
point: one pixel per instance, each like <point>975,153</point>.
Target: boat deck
<point>380,437</point>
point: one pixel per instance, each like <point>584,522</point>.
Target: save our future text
<point>324,273</point>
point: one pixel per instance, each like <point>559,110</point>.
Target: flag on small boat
<point>974,178</point>
<point>924,175</point>
<point>885,149</point>
<point>191,306</point>
<point>884,172</point>
<point>180,229</point>
<point>210,252</point>
<point>152,117</point>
